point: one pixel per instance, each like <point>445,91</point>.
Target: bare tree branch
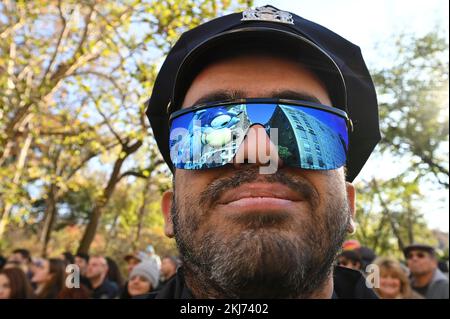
<point>140,173</point>
<point>62,34</point>
<point>108,124</point>
<point>388,213</point>
<point>102,75</point>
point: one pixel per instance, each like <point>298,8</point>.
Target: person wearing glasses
<point>426,278</point>
<point>265,119</point>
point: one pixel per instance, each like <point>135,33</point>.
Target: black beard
<point>265,260</point>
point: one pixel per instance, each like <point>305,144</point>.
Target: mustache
<point>215,189</point>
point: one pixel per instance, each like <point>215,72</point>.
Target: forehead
<point>97,261</point>
<point>255,76</point>
<point>168,260</point>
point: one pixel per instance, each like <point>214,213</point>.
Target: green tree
<point>414,107</point>
<point>413,104</point>
<point>74,76</point>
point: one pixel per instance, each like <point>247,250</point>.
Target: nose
<point>259,149</point>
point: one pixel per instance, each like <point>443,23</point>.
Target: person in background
<point>21,255</point>
<point>134,259</point>
<point>14,284</point>
<point>151,253</point>
<point>351,244</point>
<point>114,273</point>
<point>2,261</point>
<point>68,258</point>
<point>169,265</point>
<point>367,256</point>
<point>22,258</point>
<point>82,260</point>
<point>426,278</point>
<point>48,276</point>
<point>97,271</point>
<point>443,266</point>
<point>394,283</point>
<point>143,279</point>
<point>350,259</point>
<point>75,293</point>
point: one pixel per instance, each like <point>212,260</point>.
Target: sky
<point>369,24</point>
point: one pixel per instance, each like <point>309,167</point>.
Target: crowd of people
<point>421,276</point>
<point>99,277</point>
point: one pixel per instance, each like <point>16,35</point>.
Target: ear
<point>351,199</point>
<point>166,205</point>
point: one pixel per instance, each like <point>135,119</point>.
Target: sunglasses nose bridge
<point>257,148</point>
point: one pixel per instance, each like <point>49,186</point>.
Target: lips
<point>268,192</point>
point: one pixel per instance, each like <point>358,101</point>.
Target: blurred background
<point>80,171</point>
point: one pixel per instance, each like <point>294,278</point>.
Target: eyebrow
<point>222,95</point>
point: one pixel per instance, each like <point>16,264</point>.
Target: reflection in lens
<point>307,138</point>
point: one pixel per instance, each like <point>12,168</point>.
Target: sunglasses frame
<point>309,104</point>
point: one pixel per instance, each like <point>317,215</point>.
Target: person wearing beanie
<point>143,279</point>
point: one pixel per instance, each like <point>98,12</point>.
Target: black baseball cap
<point>337,62</point>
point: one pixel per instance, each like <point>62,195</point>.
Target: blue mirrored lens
<point>209,137</point>
<point>308,138</point>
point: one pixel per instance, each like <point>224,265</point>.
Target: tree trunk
<point>142,211</point>
<point>113,231</point>
<point>388,214</point>
<point>410,213</point>
<point>91,228</point>
<point>101,203</point>
<point>50,216</point>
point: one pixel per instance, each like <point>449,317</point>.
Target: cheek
<point>397,283</point>
<point>188,187</point>
<point>139,286</point>
<point>430,265</point>
<point>189,183</point>
<point>38,274</point>
<point>390,283</point>
<point>5,292</point>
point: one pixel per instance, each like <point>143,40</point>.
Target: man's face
<point>420,262</point>
<point>131,263</point>
<point>97,267</point>
<point>82,264</point>
<point>258,235</point>
<point>168,268</point>
<point>17,257</point>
